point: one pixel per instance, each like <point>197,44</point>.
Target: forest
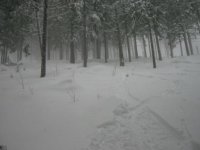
<point>88,28</point>
<point>100,74</point>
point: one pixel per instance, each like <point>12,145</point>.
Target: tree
<point>116,7</point>
<point>85,51</point>
<point>44,39</point>
<point>15,19</point>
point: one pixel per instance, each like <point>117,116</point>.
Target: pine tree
<point>44,39</point>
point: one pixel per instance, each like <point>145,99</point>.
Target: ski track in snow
<point>141,130</point>
<point>138,127</point>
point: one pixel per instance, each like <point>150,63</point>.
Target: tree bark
<point>128,42</point>
<point>149,43</point>
<point>72,50</point>
<point>170,46</point>
<point>105,46</point>
<point>49,49</point>
<point>19,51</point>
<point>85,52</point>
<point>152,48</point>
<point>198,22</point>
<point>61,51</point>
<point>3,55</point>
<point>6,56</point>
<point>98,45</point>
<point>185,41</point>
<point>158,45</point>
<point>129,49</point>
<point>190,43</point>
<point>180,42</point>
<point>38,29</point>
<point>121,57</point>
<point>135,44</point>
<point>144,46</point>
<point>44,39</point>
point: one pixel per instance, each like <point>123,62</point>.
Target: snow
<point>102,107</point>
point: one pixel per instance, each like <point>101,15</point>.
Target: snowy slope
<point>102,107</point>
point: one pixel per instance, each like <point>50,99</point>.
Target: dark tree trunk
<point>135,44</point>
<point>170,46</point>
<point>158,44</point>
<point>6,56</point>
<point>190,43</point>
<point>19,51</point>
<point>72,49</point>
<point>85,52</point>
<point>198,22</point>
<point>97,38</point>
<point>38,29</point>
<point>3,55</point>
<point>121,57</point>
<point>49,49</point>
<point>98,45</point>
<point>186,43</point>
<point>128,42</point>
<point>152,48</point>
<point>129,49</point>
<point>144,46</point>
<point>105,46</point>
<point>180,42</point>
<point>94,51</point>
<point>61,51</point>
<point>44,39</point>
<point>149,43</point>
<point>198,26</point>
<point>67,53</point>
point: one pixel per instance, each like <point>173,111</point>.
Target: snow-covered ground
<point>102,107</point>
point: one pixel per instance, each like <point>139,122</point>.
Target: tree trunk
<point>129,49</point>
<point>6,56</point>
<point>128,43</point>
<point>105,46</point>
<point>85,52</point>
<point>38,29</point>
<point>149,43</point>
<point>186,43</point>
<point>198,22</point>
<point>121,57</point>
<point>61,51</point>
<point>3,55</point>
<point>170,46</point>
<point>190,43</point>
<point>158,45</point>
<point>20,50</point>
<point>72,50</point>
<point>144,46</point>
<point>135,44</point>
<point>67,52</point>
<point>152,48</point>
<point>49,49</point>
<point>181,46</point>
<point>98,45</point>
<point>44,39</point>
